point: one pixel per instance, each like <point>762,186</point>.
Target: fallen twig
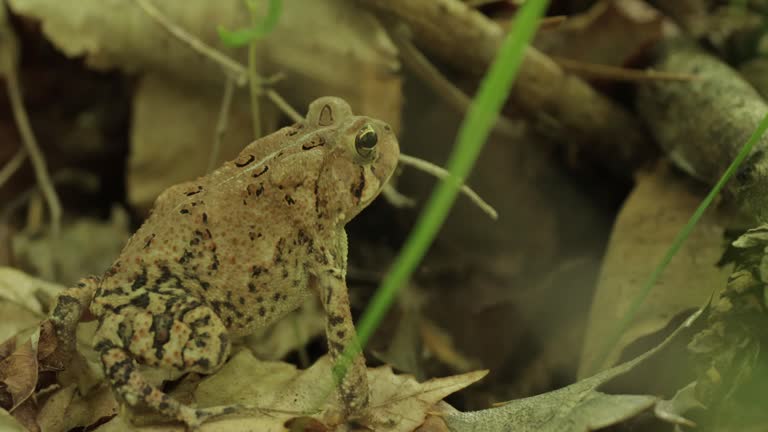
<point>12,166</point>
<point>442,174</point>
<point>614,73</point>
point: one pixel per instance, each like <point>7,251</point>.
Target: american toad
<point>235,250</point>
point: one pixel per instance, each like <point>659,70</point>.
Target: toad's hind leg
<point>122,343</point>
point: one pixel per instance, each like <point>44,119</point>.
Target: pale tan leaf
<point>653,214</point>
<point>9,424</point>
<point>18,372</point>
<point>173,132</point>
<point>20,306</point>
<point>281,392</point>
<point>92,246</point>
<point>67,409</point>
<point>351,55</point>
<point>23,290</point>
<point>579,407</point>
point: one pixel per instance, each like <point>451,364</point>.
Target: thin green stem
<point>474,130</point>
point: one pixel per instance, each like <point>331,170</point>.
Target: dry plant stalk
<point>233,69</point>
<point>9,62</point>
<point>442,174</point>
<point>12,166</point>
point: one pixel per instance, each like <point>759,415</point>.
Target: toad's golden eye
<point>365,141</point>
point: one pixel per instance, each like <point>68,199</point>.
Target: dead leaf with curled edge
<point>9,424</point>
<point>18,373</point>
<point>613,33</point>
<point>282,396</point>
<point>348,55</point>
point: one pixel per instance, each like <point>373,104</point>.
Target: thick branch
<point>584,118</point>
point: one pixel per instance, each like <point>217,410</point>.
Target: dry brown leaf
<point>173,132</point>
<point>67,409</point>
<point>354,59</point>
<point>660,205</point>
<point>18,372</point>
<point>26,414</point>
<point>47,344</point>
<point>20,306</point>
<point>279,393</point>
<point>175,116</point>
<point>440,343</point>
<point>24,290</point>
<point>91,247</point>
<point>433,423</point>
<point>610,33</point>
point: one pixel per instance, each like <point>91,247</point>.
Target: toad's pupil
<point>366,139</point>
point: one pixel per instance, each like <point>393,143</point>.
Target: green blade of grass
<point>474,130</point>
<point>634,307</point>
<point>244,36</point>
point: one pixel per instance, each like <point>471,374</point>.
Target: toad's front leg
<point>340,332</point>
<point>65,315</point>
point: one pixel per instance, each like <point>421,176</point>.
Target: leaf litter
<point>578,407</point>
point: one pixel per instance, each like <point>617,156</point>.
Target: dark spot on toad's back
<point>148,240</point>
<point>140,280</point>
<point>315,141</point>
<point>263,170</point>
<point>257,270</point>
<point>186,257</point>
<point>141,301</point>
<point>242,163</point>
<point>199,189</point>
